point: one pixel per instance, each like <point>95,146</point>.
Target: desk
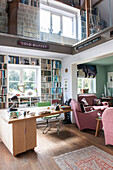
<point>20,134</point>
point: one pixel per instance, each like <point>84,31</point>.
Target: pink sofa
<point>90,100</point>
<point>84,120</point>
<point>107,120</point>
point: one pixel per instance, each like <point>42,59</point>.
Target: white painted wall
<point>100,51</point>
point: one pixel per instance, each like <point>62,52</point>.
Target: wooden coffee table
<point>99,120</point>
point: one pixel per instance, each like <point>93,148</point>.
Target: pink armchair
<point>84,120</point>
<point>90,100</point>
<point>107,120</point>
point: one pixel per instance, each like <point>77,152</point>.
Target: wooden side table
<point>99,120</point>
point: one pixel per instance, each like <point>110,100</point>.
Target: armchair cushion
<point>84,102</point>
<point>97,102</point>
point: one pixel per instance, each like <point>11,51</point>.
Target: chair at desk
<point>47,118</point>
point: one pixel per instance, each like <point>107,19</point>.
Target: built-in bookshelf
<point>3,81</point>
<point>56,80</point>
<point>50,80</point>
<point>45,80</point>
<point>34,3</point>
<point>25,101</point>
<point>23,60</point>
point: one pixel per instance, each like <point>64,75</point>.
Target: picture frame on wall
<point>110,80</point>
<point>65,85</point>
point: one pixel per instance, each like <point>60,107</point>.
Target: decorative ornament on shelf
<point>21,88</point>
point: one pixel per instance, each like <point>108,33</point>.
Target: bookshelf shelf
<point>3,82</point>
<point>51,80</point>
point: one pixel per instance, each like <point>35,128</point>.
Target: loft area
<point>79,26</point>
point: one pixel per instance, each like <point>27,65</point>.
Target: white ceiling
<point>30,52</point>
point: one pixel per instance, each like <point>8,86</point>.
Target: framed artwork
<point>65,85</point>
<point>110,80</point>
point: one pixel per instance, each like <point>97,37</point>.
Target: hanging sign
<point>32,44</point>
<point>89,43</point>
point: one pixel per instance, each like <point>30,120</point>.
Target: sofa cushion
<point>97,102</point>
<point>84,102</point>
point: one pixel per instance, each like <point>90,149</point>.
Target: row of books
<point>3,66</point>
<point>13,60</point>
<point>3,98</point>
<point>56,96</point>
<point>35,99</point>
<point>56,78</point>
<point>2,74</point>
<point>56,72</point>
<point>46,73</point>
<point>46,67</point>
<point>34,3</point>
<point>56,90</point>
<point>3,59</point>
<point>46,85</point>
<point>45,79</point>
<point>56,64</point>
<point>45,97</point>
<point>2,105</point>
<point>46,90</point>
<point>3,82</point>
<point>3,90</point>
<point>45,61</point>
<point>56,84</point>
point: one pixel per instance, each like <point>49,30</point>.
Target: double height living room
<point>56,84</point>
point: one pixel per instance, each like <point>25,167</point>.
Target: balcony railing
<point>24,20</point>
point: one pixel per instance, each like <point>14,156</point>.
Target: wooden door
<point>19,137</point>
<point>31,134</point>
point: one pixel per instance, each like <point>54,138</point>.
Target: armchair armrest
<point>105,103</point>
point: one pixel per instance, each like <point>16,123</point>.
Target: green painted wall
<point>101,79</point>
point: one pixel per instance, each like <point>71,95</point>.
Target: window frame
<point>73,17</point>
<point>89,84</point>
<point>22,68</point>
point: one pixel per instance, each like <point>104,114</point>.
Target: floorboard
<point>50,145</point>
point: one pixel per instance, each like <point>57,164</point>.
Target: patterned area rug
<point>89,158</point>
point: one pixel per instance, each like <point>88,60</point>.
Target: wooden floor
<point>50,145</point>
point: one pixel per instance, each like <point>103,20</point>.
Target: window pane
<point>13,86</point>
<point>67,26</point>
<point>29,75</point>
<point>44,21</point>
<point>30,85</point>
<point>87,83</point>
<point>14,75</point>
<point>55,23</point>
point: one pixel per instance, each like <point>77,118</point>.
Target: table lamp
<point>14,99</point>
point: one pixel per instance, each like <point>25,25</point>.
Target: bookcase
<point>45,80</point>
<point>3,81</point>
<point>56,80</point>
<point>23,60</point>
<point>50,80</point>
<point>25,101</point>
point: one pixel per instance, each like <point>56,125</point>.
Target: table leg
<point>97,128</point>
